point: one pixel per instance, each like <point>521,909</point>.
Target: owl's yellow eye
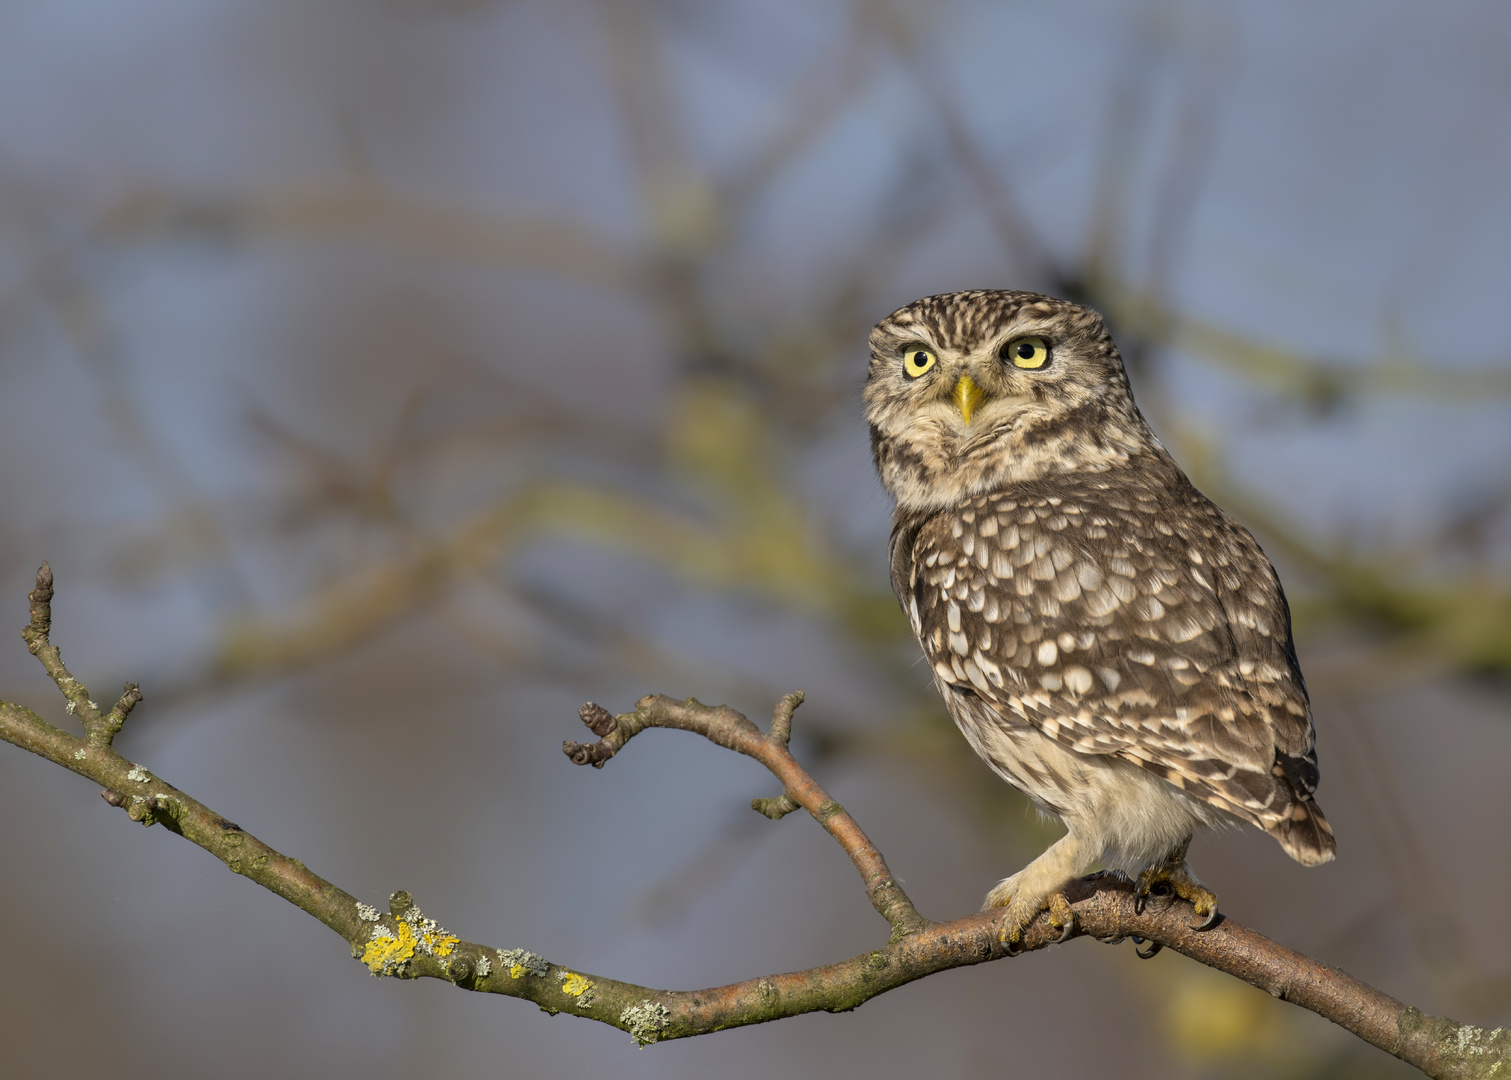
<point>916,361</point>
<point>1027,352</point>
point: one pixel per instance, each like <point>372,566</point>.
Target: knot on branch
<point>460,969</point>
<point>598,719</point>
<point>613,732</point>
<point>775,808</point>
<point>40,626</point>
<point>146,809</point>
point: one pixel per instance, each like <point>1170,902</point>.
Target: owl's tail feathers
<point>1304,833</point>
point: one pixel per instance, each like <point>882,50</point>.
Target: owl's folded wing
<point>1140,622</point>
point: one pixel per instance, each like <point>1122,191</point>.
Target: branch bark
<point>404,943</point>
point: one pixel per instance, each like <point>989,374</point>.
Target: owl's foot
<point>1174,876</point>
<point>1024,909</point>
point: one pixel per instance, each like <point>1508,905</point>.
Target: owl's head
<point>969,391</point>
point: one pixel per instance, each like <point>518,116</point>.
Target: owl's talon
<point>1020,915</point>
<point>1146,954</point>
<point>1173,876</point>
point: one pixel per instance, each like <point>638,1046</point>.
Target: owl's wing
<point>1128,618</point>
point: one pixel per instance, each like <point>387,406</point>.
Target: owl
<point>1106,638</point>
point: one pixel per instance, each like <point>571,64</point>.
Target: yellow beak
<point>967,396</point>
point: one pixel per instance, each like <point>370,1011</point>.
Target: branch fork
<point>722,725</point>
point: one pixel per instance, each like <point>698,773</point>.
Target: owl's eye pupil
<point>1025,350</point>
<point>916,362</point>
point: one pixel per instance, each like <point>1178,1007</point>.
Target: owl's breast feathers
<point>1122,613</point>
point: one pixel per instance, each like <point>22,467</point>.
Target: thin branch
<point>404,943</point>
<point>36,634</point>
<point>371,214</point>
<point>722,725</point>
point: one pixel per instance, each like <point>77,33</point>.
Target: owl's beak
<point>967,396</point>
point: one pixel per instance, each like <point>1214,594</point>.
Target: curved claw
<point>1209,922</point>
<point>1150,952</point>
<point>1013,948</point>
<point>1139,899</point>
<point>1070,928</point>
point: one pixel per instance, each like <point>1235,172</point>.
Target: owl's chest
<point>1039,601</point>
<point>988,585</point>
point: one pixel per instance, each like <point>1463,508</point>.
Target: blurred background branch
<point>541,329</point>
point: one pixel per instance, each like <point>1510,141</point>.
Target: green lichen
<point>645,1022</point>
<point>522,962</point>
<point>1489,1050</point>
<point>1466,1050</point>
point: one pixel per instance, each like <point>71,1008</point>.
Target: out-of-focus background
<point>383,380</point>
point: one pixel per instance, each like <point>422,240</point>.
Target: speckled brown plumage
<point>1107,639</point>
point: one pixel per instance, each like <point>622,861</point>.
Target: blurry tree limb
<point>1323,380</point>
<point>1019,240</point>
<point>368,212</point>
<point>404,943</point>
<point>748,544</point>
<point>1463,618</point>
<point>364,602</point>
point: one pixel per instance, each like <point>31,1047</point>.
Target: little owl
<point>1108,640</point>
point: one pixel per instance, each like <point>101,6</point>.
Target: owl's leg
<point>1037,887</point>
<point>1174,875</point>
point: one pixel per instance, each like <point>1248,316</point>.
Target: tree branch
<point>722,725</point>
<point>404,943</point>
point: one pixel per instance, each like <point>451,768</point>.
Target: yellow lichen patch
<point>385,952</point>
<point>579,986</point>
<point>441,944</point>
<point>431,938</point>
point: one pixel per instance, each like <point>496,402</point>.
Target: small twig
<point>114,720</point>
<point>781,731</point>
<point>35,634</point>
<point>775,808</point>
<point>615,731</point>
<point>781,719</point>
<point>722,725</point>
